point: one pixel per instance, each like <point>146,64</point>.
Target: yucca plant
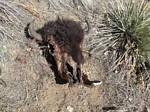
<point>129,25</point>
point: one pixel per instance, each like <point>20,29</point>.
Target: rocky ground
<point>27,84</point>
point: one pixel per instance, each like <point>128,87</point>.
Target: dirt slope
<point>27,84</point>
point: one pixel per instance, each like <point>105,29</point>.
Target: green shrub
<point>129,25</point>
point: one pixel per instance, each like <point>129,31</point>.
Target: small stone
<point>70,109</point>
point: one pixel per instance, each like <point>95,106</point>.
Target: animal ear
<point>58,18</point>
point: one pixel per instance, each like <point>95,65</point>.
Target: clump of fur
<point>67,34</point>
<point>66,38</point>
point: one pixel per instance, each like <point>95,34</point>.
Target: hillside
<point>27,83</point>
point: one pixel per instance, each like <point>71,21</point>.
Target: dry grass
<point>26,82</point>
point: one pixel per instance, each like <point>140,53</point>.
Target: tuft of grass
<point>129,25</point>
<point>32,9</point>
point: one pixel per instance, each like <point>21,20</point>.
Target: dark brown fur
<point>66,36</point>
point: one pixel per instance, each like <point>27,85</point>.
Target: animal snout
<point>81,59</point>
<point>78,57</point>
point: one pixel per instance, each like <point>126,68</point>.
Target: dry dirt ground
<point>27,84</point>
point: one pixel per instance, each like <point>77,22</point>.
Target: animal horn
<point>33,33</point>
<point>88,25</point>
